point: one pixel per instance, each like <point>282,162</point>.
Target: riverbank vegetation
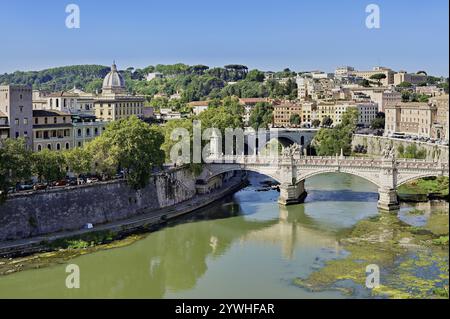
<point>330,141</point>
<point>62,250</point>
<point>429,185</point>
<point>128,145</point>
<point>413,260</point>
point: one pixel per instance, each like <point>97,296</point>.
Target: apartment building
<point>440,128</point>
<point>403,76</point>
<point>282,112</point>
<point>52,130</point>
<point>114,103</point>
<point>376,70</point>
<point>4,126</point>
<point>410,118</point>
<point>367,111</point>
<point>16,107</point>
<point>85,128</point>
<point>73,102</point>
<point>249,104</point>
<point>198,106</point>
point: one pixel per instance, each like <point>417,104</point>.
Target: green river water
<point>245,246</point>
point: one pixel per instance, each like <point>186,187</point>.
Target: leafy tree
<point>444,86</point>
<point>379,121</point>
<point>57,79</point>
<point>295,119</point>
<point>132,145</point>
<point>405,85</point>
<point>365,83</point>
<point>411,151</point>
<point>255,75</point>
<point>378,77</point>
<point>14,164</point>
<point>94,86</point>
<point>261,116</point>
<point>79,160</point>
<point>315,123</point>
<point>327,121</point>
<point>330,141</point>
<point>48,165</point>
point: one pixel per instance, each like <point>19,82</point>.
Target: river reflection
<point>246,246</point>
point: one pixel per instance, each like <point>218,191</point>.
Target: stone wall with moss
<point>62,209</point>
<point>375,145</point>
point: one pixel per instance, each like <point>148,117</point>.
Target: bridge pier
<point>387,199</point>
<point>291,194</point>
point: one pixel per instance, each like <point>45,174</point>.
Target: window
<point>79,132</point>
<point>49,146</point>
<point>39,148</point>
<point>67,146</point>
<point>45,120</point>
<point>36,121</point>
<point>16,121</point>
<point>17,134</point>
<point>25,121</point>
<point>55,120</point>
<point>58,146</point>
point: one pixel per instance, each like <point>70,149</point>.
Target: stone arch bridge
<point>291,172</point>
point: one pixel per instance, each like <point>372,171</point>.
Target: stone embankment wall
<point>376,144</point>
<point>43,212</point>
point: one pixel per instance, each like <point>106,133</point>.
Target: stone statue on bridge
<point>291,150</point>
<point>389,152</point>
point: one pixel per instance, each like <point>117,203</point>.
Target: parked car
<point>72,181</point>
<point>24,187</point>
<point>61,183</point>
<point>118,176</point>
<point>39,186</point>
<point>91,180</point>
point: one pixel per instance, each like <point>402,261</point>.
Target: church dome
<point>114,81</point>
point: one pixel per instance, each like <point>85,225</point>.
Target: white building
<point>154,75</point>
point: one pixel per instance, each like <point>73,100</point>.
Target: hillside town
<point>68,119</point>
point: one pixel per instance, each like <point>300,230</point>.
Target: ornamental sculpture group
<point>291,151</point>
<point>388,152</point>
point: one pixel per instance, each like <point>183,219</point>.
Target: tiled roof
<point>40,113</point>
<point>199,103</point>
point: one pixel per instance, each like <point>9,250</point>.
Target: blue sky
<point>269,35</point>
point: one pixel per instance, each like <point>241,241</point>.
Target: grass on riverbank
<point>62,250</point>
<point>425,186</point>
<point>413,260</point>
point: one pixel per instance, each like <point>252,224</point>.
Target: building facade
<point>86,128</point>
<point>52,130</point>
<point>283,111</point>
<point>4,126</point>
<point>403,76</point>
<point>410,118</point>
<point>114,103</point>
<point>16,105</point>
<point>441,125</point>
<point>376,70</point>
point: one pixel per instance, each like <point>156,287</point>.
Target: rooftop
<point>41,113</point>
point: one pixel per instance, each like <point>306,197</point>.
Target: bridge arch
<point>418,176</point>
<point>372,178</point>
<point>230,168</point>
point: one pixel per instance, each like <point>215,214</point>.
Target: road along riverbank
<point>108,232</point>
